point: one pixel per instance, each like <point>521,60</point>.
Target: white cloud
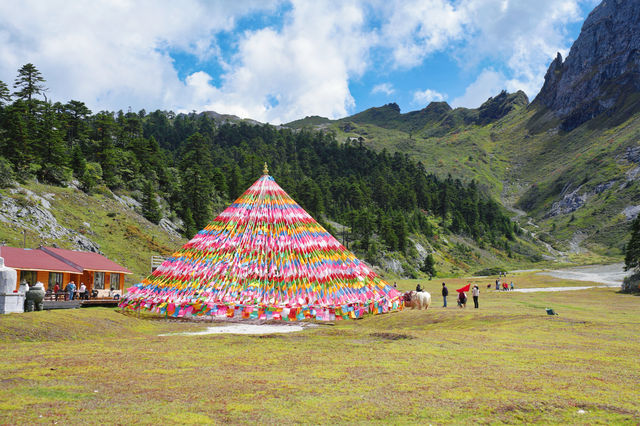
<point>386,88</point>
<point>522,36</point>
<point>489,83</point>
<point>426,96</point>
<point>112,55</point>
<point>115,54</point>
<point>303,69</point>
<point>418,28</point>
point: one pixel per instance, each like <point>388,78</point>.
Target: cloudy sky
<point>277,61</point>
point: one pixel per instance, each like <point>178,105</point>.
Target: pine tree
<point>76,113</point>
<point>196,184</point>
<point>429,265</point>
<point>29,84</point>
<point>50,147</point>
<point>78,162</point>
<point>632,251</point>
<point>189,225</point>
<point>5,94</point>
<point>234,183</point>
<point>150,208</point>
<point>17,145</point>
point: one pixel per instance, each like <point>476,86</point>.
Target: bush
<point>56,175</point>
<point>6,173</point>
<point>631,284</point>
<point>92,176</point>
<point>490,271</point>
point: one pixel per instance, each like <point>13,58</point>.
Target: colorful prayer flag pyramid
<point>264,257</point>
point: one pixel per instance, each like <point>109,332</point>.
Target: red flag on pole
<point>465,288</point>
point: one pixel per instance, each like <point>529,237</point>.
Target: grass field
<point>507,362</point>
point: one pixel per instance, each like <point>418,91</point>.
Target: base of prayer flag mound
<point>264,258</point>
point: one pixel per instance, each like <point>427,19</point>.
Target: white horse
<point>420,299</point>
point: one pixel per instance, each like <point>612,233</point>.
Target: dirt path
<point>606,274</point>
<point>543,289</point>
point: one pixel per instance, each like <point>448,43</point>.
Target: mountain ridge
<point>602,67</point>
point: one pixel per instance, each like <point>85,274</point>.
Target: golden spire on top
<point>265,171</point>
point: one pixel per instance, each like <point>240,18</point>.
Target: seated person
<point>462,299</point>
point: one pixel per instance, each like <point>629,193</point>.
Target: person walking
<point>445,293</point>
<point>475,292</point>
<point>497,284</point>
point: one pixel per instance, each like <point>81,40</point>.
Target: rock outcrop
<point>602,68</point>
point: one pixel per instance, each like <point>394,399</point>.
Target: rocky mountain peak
<point>602,68</point>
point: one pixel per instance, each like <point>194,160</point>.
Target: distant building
<point>53,266</point>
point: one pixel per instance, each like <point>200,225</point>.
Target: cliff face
<point>602,68</point>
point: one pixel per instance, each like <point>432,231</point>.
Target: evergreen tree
<point>234,183</point>
<point>429,265</point>
<point>29,84</point>
<point>16,146</point>
<point>632,251</point>
<point>196,185</point>
<point>50,147</point>
<point>150,208</point>
<point>78,162</point>
<point>189,226</point>
<point>400,227</point>
<point>6,173</point>
<point>5,94</point>
<point>76,113</point>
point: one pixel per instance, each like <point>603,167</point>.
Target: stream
<point>607,275</point>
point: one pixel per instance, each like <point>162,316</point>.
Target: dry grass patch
<point>506,362</point>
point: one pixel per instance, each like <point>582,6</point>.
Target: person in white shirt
<point>83,291</point>
<point>475,292</point>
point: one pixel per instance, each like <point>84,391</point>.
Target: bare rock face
<point>602,68</point>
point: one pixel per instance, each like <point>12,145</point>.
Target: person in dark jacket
<point>418,288</point>
<point>462,299</point>
<point>445,293</point>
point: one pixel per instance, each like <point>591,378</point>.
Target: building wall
<point>43,277</point>
<point>86,278</point>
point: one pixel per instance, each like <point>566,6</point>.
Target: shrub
<point>631,284</point>
<point>490,271</point>
<point>6,173</point>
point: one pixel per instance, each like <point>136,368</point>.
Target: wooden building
<point>53,266</point>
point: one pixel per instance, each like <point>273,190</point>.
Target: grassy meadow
<point>507,362</point>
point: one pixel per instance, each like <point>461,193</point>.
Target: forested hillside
<point>373,201</point>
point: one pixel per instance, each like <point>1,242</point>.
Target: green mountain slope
<point>579,188</point>
<point>69,218</point>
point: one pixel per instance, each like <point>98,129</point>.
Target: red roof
<point>58,260</point>
<point>87,260</point>
<point>34,260</point>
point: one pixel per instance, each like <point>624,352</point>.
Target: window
<point>31,277</point>
<point>98,280</point>
<point>55,278</point>
<point>115,281</point>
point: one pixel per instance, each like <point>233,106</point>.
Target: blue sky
<point>277,61</point>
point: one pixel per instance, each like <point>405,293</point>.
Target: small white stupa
<point>10,302</point>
